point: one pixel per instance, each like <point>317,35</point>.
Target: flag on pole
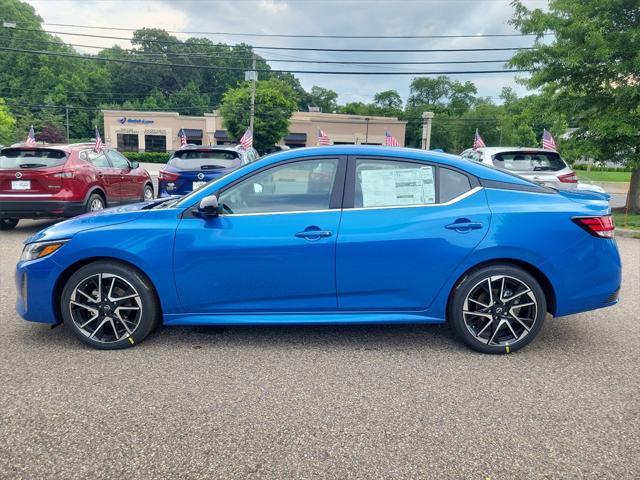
<point>323,138</point>
<point>183,138</point>
<point>390,140</point>
<point>247,139</point>
<point>548,142</point>
<point>31,137</point>
<point>99,145</point>
<point>477,141</point>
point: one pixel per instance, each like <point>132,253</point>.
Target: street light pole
<point>66,109</point>
<point>254,74</point>
<point>366,136</point>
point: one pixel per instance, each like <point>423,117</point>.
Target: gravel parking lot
<point>321,402</point>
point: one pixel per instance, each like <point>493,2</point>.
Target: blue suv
<point>193,165</point>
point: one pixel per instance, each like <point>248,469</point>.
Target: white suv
<point>545,167</point>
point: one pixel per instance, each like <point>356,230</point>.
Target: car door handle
<point>314,234</point>
<point>464,226</point>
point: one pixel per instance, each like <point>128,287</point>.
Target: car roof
<point>66,147</point>
<point>494,150</point>
<point>474,168</point>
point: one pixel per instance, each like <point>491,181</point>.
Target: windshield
<point>15,158</point>
<point>204,159</point>
<point>521,161</point>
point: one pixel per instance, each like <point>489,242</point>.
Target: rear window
<point>529,161</point>
<point>19,158</point>
<point>204,159</point>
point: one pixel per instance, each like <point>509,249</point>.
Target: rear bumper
<point>40,209</point>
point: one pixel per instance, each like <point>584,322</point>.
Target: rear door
<point>107,177</point>
<point>32,173</point>
<point>405,227</point>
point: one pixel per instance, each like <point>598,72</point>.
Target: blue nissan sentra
<point>331,235</point>
<point>193,165</point>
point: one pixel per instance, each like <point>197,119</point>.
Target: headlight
<point>40,249</point>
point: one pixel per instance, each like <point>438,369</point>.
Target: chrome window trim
<point>26,195</point>
<point>450,202</point>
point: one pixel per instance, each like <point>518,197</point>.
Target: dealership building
<point>132,131</point>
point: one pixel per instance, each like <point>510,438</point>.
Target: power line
<point>220,68</point>
<point>292,35</point>
<point>308,49</point>
<point>214,56</point>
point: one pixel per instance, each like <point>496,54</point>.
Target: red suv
<point>49,181</point>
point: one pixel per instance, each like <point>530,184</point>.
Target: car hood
<point>89,221</point>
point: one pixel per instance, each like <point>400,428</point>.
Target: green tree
<point>388,99</point>
<point>275,102</point>
<point>7,125</point>
<point>590,71</point>
<point>324,98</point>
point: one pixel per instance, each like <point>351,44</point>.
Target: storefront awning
<point>191,132</point>
<point>296,138</point>
<point>221,135</point>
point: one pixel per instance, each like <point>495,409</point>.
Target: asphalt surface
<point>321,402</point>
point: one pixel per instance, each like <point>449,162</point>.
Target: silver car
<point>545,167</point>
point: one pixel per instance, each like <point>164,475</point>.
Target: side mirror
<point>134,164</point>
<point>208,207</point>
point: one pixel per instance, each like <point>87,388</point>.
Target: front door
<point>128,184</point>
<point>272,249</point>
<point>410,225</point>
<point>107,176</point>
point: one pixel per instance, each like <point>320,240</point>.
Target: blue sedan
<point>192,166</point>
<point>331,235</point>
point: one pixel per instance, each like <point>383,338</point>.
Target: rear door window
<point>97,159</point>
<point>522,161</point>
<point>18,158</point>
<point>205,159</point>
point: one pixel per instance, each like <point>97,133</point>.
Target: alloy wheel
<point>500,310</point>
<point>148,194</point>
<point>105,308</point>
<point>96,205</point>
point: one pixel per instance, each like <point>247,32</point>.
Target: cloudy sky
<point>320,17</point>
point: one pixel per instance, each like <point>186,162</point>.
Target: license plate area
<point>197,185</point>
<point>20,184</point>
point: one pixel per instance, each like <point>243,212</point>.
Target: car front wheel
<point>497,309</point>
<point>109,305</point>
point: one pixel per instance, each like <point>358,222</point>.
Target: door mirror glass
<point>208,207</point>
<point>134,164</point>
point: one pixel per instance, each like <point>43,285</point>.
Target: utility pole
<point>254,76</point>
<point>66,114</point>
<point>427,117</point>
<point>366,135</point>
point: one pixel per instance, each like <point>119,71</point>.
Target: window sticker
<point>403,186</point>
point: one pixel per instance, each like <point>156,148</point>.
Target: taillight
<point>65,174</point>
<point>597,226</point>
<point>168,176</point>
<point>568,178</point>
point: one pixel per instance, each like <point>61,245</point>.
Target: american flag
<point>99,145</point>
<point>477,141</point>
<point>390,140</point>
<point>183,138</point>
<point>247,139</point>
<point>323,138</point>
<point>31,137</point>
<point>548,142</point>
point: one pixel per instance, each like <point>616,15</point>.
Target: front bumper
<point>40,209</point>
<point>35,284</point>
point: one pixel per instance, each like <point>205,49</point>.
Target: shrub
<point>147,157</point>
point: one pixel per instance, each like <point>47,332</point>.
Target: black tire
<point>93,201</point>
<point>145,195</point>
<point>125,328</point>
<point>8,223</point>
<point>484,329</point>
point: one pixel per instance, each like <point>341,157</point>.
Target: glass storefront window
<point>155,143</point>
<point>127,142</point>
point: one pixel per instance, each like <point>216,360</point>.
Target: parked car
<point>49,181</point>
<point>396,236</point>
<point>545,167</point>
<point>191,167</point>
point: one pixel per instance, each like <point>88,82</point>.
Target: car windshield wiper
<point>32,165</point>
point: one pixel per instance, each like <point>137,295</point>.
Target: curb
<point>627,232</point>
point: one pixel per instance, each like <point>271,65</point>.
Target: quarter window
<point>388,183</point>
<point>292,187</point>
<point>452,184</point>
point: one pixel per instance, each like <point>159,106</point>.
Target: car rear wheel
<point>147,193</point>
<point>498,309</point>
<point>109,305</point>
<point>95,203</point>
<point>8,223</point>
